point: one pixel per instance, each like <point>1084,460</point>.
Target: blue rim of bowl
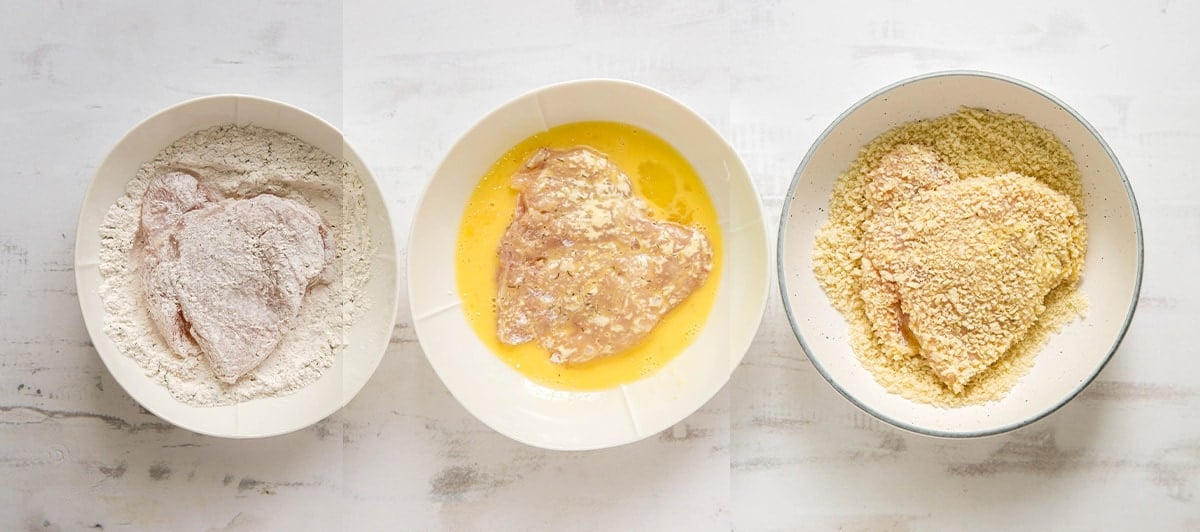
<point>1137,285</point>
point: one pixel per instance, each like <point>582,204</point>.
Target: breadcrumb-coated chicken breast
<point>980,256</point>
<point>902,174</point>
<point>956,270</point>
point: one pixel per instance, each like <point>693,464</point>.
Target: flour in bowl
<point>243,162</point>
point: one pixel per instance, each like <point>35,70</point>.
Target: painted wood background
<point>776,449</point>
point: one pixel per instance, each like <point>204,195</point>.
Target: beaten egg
<point>672,190</point>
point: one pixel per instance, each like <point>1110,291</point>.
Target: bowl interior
<point>368,336</point>
<point>1112,269</point>
<point>545,417</point>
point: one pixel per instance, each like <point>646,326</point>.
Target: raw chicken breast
<point>980,256</point>
<point>584,270</point>
<point>901,175</point>
<point>226,277</point>
<point>956,270</point>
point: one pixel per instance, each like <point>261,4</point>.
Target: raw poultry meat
<point>959,269</point>
<point>901,175</point>
<point>980,257</point>
<point>225,277</point>
<point>584,270</point>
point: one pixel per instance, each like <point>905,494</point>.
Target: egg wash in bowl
<point>672,191</point>
<point>575,169</point>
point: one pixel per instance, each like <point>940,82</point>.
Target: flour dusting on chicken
<point>584,270</point>
<point>226,277</point>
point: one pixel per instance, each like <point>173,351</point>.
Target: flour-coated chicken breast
<point>225,277</point>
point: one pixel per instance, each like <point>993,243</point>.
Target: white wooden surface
<point>776,449</point>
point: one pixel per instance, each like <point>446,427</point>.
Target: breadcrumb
<point>902,174</point>
<point>974,143</point>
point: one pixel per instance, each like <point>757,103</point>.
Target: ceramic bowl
<point>368,336</point>
<point>556,419</point>
<point>1112,270</point>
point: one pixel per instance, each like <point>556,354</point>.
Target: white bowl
<point>368,336</point>
<point>1112,269</point>
<point>555,419</point>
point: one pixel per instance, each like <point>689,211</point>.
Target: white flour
<point>243,162</point>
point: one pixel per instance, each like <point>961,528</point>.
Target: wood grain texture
<point>776,449</point>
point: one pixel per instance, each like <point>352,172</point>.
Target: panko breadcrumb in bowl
<point>960,254</point>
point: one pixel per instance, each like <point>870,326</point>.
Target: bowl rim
<point>791,314</point>
<point>763,298</point>
<point>98,328</point>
